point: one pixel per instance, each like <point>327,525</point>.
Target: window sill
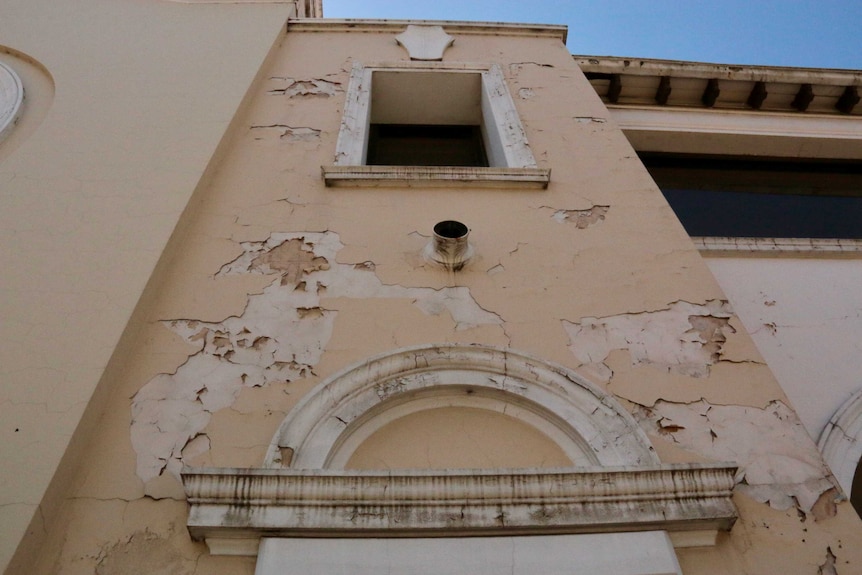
<point>432,176</point>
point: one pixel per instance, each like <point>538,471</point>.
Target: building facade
<point>289,294</point>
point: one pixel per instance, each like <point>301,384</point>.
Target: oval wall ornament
<point>11,99</point>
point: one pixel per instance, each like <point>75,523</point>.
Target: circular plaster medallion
<point>11,98</point>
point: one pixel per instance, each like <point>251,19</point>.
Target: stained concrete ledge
<point>233,508</point>
<point>429,176</point>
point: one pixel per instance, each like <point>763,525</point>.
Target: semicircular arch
<point>841,441</point>
<point>589,425</point>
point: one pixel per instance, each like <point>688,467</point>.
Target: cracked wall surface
<point>685,338</point>
<point>778,462</point>
<point>594,273</point>
<point>581,218</point>
<point>279,337</point>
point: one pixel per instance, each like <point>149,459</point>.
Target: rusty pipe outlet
<point>450,247</point>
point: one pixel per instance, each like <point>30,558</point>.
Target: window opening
<point>761,198</point>
<point>425,145</point>
<point>432,123</point>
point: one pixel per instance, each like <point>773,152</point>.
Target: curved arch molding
<point>26,95</point>
<point>620,488</point>
<point>591,427</point>
<point>11,99</point>
<point>841,441</point>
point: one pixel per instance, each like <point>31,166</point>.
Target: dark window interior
<point>425,145</point>
<point>761,198</point>
<point>856,490</point>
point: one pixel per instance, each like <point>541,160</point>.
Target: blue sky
<point>808,33</point>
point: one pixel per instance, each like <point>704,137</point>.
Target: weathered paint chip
<point>312,87</point>
<point>581,218</point>
<point>288,133</point>
<point>279,337</point>
<point>685,338</point>
<point>778,463</point>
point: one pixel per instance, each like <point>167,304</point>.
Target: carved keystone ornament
<point>425,42</point>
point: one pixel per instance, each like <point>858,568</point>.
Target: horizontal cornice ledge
<point>238,506</point>
<point>705,70</point>
<point>435,176</point>
<point>557,31</point>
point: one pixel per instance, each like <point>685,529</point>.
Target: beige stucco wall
<point>277,282</point>
<point>143,92</point>
<point>804,315</point>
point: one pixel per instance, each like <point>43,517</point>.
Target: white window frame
<point>509,155</point>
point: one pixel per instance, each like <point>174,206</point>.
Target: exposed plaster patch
<point>290,133</point>
<point>778,463</point>
<point>826,505</point>
<point>315,87</point>
<point>526,93</point>
<point>581,218</point>
<point>828,566</point>
<point>279,337</point>
<point>685,338</point>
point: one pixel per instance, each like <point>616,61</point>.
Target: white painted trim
<point>644,553</point>
<point>504,135</point>
<point>841,441</point>
<point>11,99</point>
<point>737,122</point>
<point>230,508</point>
<point>434,176</point>
<point>503,127</point>
<point>588,416</point>
<point>772,247</point>
<point>351,149</point>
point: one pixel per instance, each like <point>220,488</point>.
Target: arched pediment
<point>841,441</point>
<point>333,420</point>
<point>616,484</point>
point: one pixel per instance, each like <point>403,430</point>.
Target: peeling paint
<point>581,218</point>
<point>314,88</point>
<point>685,338</point>
<point>828,566</point>
<point>289,133</point>
<point>526,93</point>
<point>279,337</point>
<point>778,463</point>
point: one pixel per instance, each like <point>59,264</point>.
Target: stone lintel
<point>230,507</point>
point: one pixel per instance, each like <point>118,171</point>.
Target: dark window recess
<point>761,199</point>
<point>856,490</point>
<point>424,145</point>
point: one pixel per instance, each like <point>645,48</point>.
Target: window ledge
<point>431,176</point>
<point>772,247</point>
